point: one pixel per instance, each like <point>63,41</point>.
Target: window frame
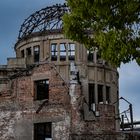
<point>63,51</point>
<point>22,53</point>
<point>91,93</point>
<point>90,56</point>
<point>70,51</point>
<point>36,53</point>
<point>29,51</point>
<point>42,130</point>
<point>54,51</point>
<point>100,94</point>
<point>39,86</point>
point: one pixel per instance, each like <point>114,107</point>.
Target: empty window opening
<point>108,94</point>
<point>43,131</point>
<point>90,55</point>
<point>71,51</point>
<point>28,51</point>
<point>91,91</point>
<point>41,89</point>
<point>100,94</point>
<point>98,55</point>
<point>36,53</point>
<point>54,52</point>
<point>22,54</point>
<point>62,52</point>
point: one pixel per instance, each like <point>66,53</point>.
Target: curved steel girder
<point>46,19</point>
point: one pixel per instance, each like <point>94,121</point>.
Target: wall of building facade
<point>73,107</point>
<point>20,110</point>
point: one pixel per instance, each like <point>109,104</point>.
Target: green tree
<point>112,26</point>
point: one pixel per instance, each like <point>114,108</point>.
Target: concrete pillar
<point>95,56</point>
<point>47,49</point>
<point>41,50</point>
<point>104,94</point>
<point>67,57</point>
<point>58,56</point>
<point>96,88</point>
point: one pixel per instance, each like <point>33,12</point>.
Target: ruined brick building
<point>55,89</point>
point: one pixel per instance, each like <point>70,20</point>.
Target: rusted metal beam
<point>49,18</point>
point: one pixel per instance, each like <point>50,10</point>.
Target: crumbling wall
<point>20,110</point>
<point>98,128</point>
<point>8,117</point>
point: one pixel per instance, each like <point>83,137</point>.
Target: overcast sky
<point>12,15</point>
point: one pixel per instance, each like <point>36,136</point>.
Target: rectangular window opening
<point>90,56</point>
<point>43,131</point>
<point>100,94</point>
<point>91,96</point>
<point>22,54</point>
<point>107,94</point>
<point>62,52</point>
<point>71,51</point>
<point>54,52</point>
<point>98,55</point>
<point>42,89</point>
<point>36,53</point>
<point>28,51</point>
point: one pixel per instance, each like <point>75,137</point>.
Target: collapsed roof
<point>47,19</point>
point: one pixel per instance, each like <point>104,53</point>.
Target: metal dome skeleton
<point>46,19</point>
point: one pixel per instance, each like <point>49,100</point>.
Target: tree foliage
<point>112,26</point>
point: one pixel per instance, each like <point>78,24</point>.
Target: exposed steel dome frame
<point>46,19</point>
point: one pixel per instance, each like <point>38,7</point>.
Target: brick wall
<point>18,112</point>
